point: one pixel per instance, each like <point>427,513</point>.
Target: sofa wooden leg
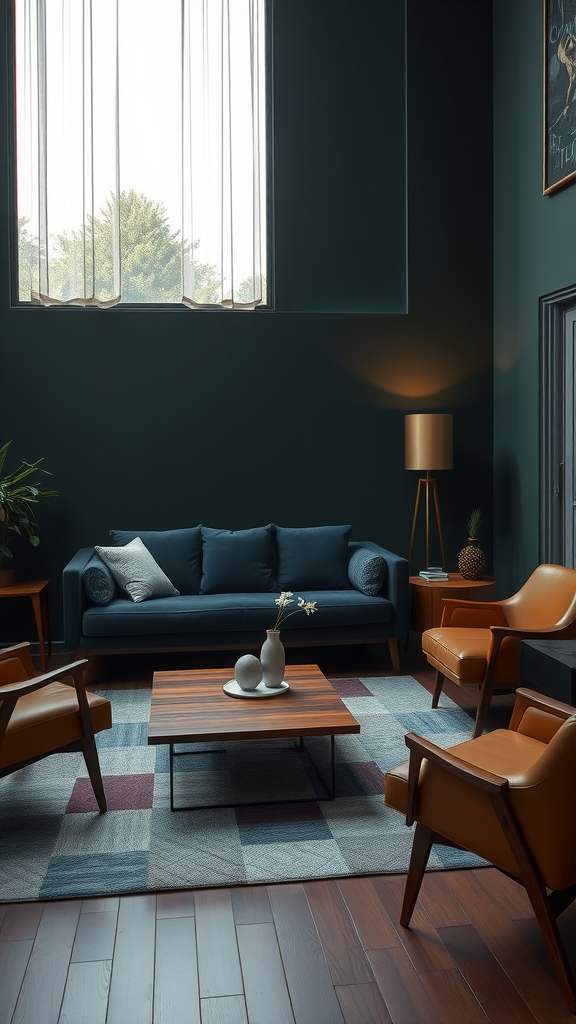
<point>393,648</point>
<point>437,688</point>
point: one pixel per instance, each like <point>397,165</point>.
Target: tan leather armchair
<point>478,642</point>
<point>41,715</point>
<point>507,796</point>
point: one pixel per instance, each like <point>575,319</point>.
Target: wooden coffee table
<point>190,707</point>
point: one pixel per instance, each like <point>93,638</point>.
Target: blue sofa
<point>224,586</point>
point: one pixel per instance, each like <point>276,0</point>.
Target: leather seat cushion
<point>475,826</point>
<point>458,651</point>
<point>48,719</point>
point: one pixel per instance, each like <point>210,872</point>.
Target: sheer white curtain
<point>141,151</point>
<point>67,149</point>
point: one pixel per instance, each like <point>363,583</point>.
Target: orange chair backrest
<point>12,670</point>
<point>548,598</point>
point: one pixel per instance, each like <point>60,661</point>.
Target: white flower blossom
<point>284,600</point>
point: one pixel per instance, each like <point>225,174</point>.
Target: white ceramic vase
<point>272,659</point>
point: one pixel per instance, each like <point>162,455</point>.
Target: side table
<point>427,597</point>
<point>37,591</point>
<point>549,666</point>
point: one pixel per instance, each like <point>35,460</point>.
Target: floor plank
<point>421,940</point>
<point>401,988</point>
<point>218,959</point>
<point>45,978</point>
<point>374,927</point>
<point>362,1004</point>
<point>175,904</point>
<point>452,998</point>
<point>313,997</point>
<point>131,985</point>
<point>95,936</point>
<point>86,993</point>
<point>14,957</point>
<point>342,947</point>
<point>251,905</point>
<point>176,996</point>
<point>442,907</point>
<point>265,988</point>
<point>20,921</point>
<point>510,896</point>
<point>500,999</point>
<point>515,957</point>
<point>224,1010</point>
<point>100,904</point>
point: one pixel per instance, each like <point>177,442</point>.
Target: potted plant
<point>17,500</point>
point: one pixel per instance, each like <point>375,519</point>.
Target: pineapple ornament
<point>472,560</point>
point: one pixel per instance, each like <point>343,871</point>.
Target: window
<point>141,152</point>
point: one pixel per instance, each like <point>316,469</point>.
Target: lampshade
<point>428,438</point>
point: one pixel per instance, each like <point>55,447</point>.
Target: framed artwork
<point>559,94</point>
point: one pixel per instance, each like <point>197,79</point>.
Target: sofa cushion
<point>99,582</point>
<point>136,572</point>
<point>232,613</point>
<point>367,571</point>
<point>312,558</point>
<point>177,552</point>
<point>237,561</point>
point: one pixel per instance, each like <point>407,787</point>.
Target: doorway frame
<point>554,308</point>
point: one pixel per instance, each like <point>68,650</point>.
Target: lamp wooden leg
<point>421,847</point>
<point>437,689</point>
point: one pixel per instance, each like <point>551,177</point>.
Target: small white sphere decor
<point>248,672</point>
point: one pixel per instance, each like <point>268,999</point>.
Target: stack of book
<point>433,572</point>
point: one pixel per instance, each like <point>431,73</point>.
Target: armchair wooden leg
<point>437,689</point>
<point>393,648</point>
<point>484,698</point>
<point>545,907</point>
<point>423,837</point>
<point>93,765</point>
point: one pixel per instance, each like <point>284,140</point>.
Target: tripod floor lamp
<point>428,438</point>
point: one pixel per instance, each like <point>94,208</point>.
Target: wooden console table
<point>37,591</point>
<point>427,597</point>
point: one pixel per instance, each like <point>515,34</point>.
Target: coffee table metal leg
<point>330,790</point>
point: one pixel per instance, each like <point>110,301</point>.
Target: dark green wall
<point>534,254</point>
<point>161,419</point>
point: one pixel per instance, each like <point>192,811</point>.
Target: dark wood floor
<point>301,953</point>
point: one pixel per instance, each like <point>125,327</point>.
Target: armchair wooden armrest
<point>422,749</point>
<point>477,614</point>
<point>10,693</point>
<point>37,682</point>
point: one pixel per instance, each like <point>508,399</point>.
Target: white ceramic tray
<point>233,689</point>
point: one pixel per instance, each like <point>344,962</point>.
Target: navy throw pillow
<point>312,558</point>
<point>177,552</point>
<point>367,571</point>
<point>99,582</point>
<point>238,561</point>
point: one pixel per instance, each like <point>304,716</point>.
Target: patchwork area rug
<point>54,843</point>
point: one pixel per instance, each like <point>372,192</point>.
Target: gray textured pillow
<point>134,569</point>
<point>367,571</point>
